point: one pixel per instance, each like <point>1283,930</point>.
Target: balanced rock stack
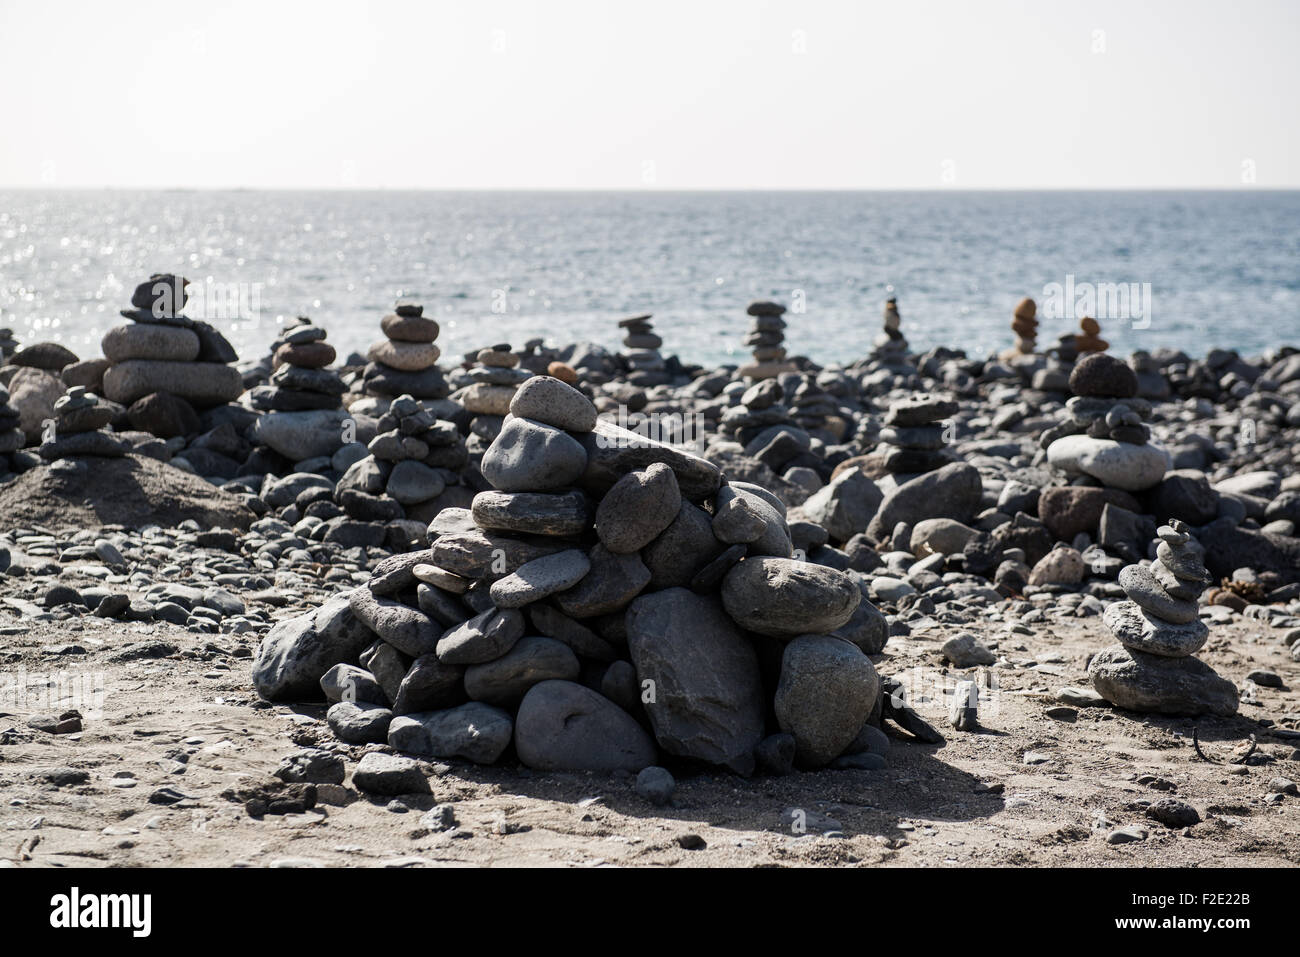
<point>1088,339</point>
<point>767,336</point>
<point>914,438</point>
<point>645,362</point>
<point>79,424</point>
<point>1152,668</point>
<point>1084,342</point>
<point>163,357</point>
<point>300,382</point>
<point>404,362</point>
<point>1106,437</point>
<point>609,598</point>
<point>413,459</point>
<point>1024,323</point>
<point>890,347</point>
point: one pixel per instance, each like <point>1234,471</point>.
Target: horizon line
<point>1251,188</point>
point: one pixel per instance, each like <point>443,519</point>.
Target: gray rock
<point>540,578</point>
<point>533,659</point>
<point>743,517</point>
<point>297,652</point>
<point>1141,586</point>
<point>782,597</point>
<point>407,629</point>
<point>613,451</point>
<point>637,508</point>
<point>548,400</point>
<point>1141,631</point>
<point>301,435</point>
<point>380,773</point>
<point>867,628</point>
<point>358,722</point>
<point>954,491</point>
<point>827,689</point>
<point>483,638</point>
<point>1172,813</point>
<point>965,651</point>
<point>614,580</point>
<point>475,731</point>
<point>562,726</point>
<point>656,785</point>
<point>528,456</point>
<point>312,766</point>
<point>682,549</point>
<point>1126,835</point>
<point>846,506</point>
<point>533,513</point>
<point>346,682</point>
<point>555,624</point>
<point>430,685</point>
<point>413,482</point>
<point>1150,683</point>
<point>484,555</point>
<point>708,700</point>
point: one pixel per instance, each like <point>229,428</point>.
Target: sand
<point>972,801</point>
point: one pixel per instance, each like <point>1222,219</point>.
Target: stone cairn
<point>485,389</point>
<point>1085,342</point>
<point>913,438</point>
<point>767,336</point>
<point>646,363</point>
<point>1106,436</point>
<point>163,365</point>
<point>609,598</point>
<point>412,460</point>
<point>299,380</point>
<point>404,362</point>
<point>890,347</point>
<point>1152,668</point>
<point>1024,323</point>
<point>79,428</point>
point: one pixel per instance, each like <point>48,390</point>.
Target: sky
<point>614,94</point>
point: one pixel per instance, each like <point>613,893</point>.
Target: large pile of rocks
<point>80,428</point>
<point>404,362</point>
<point>767,337</point>
<point>164,365</point>
<point>1106,437</point>
<point>1159,630</point>
<point>610,597</point>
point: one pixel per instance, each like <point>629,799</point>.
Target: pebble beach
<point>578,603</point>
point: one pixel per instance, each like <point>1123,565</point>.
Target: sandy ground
<point>190,722</point>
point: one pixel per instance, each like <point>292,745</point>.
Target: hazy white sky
<point>615,94</point>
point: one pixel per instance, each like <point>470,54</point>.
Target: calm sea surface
<point>1223,267</point>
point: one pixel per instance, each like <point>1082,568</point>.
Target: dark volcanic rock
<point>708,696</point>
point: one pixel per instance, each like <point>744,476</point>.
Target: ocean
<point>1186,270</point>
